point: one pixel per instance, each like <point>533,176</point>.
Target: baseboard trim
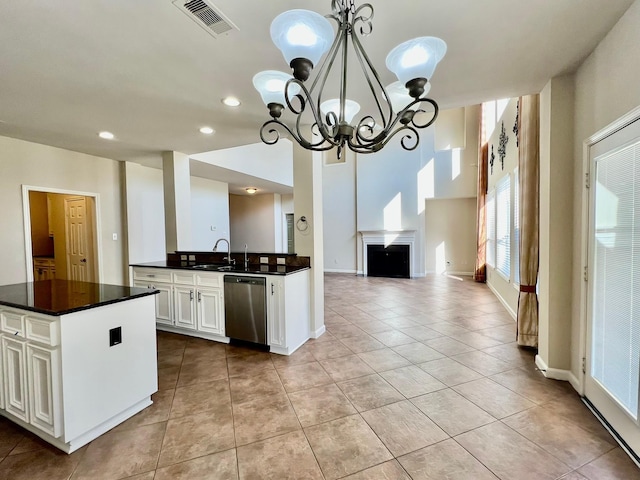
<point>558,374</point>
<point>318,333</point>
<point>340,270</point>
<point>503,301</point>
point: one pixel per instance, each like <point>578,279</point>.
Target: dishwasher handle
<point>244,280</point>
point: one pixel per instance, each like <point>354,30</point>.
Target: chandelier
<point>304,37</point>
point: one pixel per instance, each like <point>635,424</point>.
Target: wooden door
<point>79,241</point>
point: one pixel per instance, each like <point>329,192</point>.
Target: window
<point>516,228</point>
<point>490,208</point>
<point>503,226</point>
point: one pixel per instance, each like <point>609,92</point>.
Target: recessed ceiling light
<point>231,101</point>
<point>251,190</point>
<point>106,135</point>
<point>207,130</point>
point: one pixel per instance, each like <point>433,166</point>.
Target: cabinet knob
<point>191,295</point>
<point>199,297</point>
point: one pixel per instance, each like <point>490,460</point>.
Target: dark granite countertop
<point>60,297</point>
<point>251,269</point>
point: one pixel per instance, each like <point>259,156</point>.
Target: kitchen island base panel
<point>99,380</point>
<point>85,438</point>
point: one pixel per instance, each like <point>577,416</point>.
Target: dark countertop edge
<point>59,313</point>
<point>162,264</point>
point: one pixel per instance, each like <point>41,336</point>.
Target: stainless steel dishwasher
<point>245,308</point>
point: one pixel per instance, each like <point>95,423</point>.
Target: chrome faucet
<point>215,249</point>
<point>246,258</point>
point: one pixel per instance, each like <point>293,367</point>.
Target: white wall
<point>252,222</point>
<point>504,288</point>
<point>209,213</point>
<point>556,213</point>
<point>145,213</point>
<point>26,163</point>
<point>339,209</point>
<point>357,193</point>
<point>605,89</point>
<point>271,162</point>
<point>450,235</point>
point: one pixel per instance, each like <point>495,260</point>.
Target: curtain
<point>480,273</point>
<point>528,186</point>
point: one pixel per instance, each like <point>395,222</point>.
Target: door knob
<point>84,260</point>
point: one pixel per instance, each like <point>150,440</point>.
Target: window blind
<point>490,207</point>
<point>516,228</point>
<point>503,226</point>
<point>616,276</point>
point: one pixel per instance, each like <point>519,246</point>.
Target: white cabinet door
<point>164,304</point>
<point>210,311</point>
<point>15,377</point>
<point>184,303</point>
<point>164,301</point>
<point>276,313</point>
<point>44,387</point>
<point>1,377</point>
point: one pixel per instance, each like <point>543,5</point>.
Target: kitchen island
<point>192,299</point>
<point>76,358</point>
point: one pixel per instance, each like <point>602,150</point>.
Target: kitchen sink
<point>226,268</point>
<point>214,267</point>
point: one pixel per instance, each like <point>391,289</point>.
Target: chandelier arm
<point>365,19</point>
<point>273,131</point>
<point>300,137</point>
<point>433,118</point>
<point>371,148</point>
<point>365,61</point>
<point>326,65</point>
<point>321,129</point>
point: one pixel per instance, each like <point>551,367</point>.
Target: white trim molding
<point>386,238</point>
<point>558,374</point>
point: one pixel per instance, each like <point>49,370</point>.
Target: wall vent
<point>207,15</point>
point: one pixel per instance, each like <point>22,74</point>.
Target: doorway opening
<point>61,240</point>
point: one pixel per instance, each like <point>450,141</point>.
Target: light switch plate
<point>264,259</point>
<point>281,261</point>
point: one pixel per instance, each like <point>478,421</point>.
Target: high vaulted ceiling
<point>148,73</point>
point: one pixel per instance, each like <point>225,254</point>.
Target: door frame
<point>587,271</point>
<point>26,211</point>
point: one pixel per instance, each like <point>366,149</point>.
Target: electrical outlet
<point>264,259</point>
<point>281,261</point>
<point>192,258</point>
<point>183,258</point>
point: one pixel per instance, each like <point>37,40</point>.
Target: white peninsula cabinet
<point>77,359</point>
<point>191,302</point>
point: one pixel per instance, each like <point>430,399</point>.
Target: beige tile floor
<point>414,379</point>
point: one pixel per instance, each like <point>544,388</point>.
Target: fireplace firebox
<point>390,261</point>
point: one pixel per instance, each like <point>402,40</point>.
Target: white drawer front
<point>12,323</point>
<point>183,277</point>
<point>43,330</point>
<point>152,275</point>
<point>209,279</point>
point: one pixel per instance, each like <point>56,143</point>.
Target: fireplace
<point>388,253</point>
<point>390,261</point>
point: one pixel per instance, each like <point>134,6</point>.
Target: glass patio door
<point>612,377</point>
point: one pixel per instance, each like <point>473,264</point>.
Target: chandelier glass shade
<point>402,107</point>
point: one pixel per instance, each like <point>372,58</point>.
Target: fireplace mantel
<point>386,238</point>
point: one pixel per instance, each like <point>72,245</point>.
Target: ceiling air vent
<point>207,15</point>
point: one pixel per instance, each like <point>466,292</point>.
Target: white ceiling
<point>146,72</point>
